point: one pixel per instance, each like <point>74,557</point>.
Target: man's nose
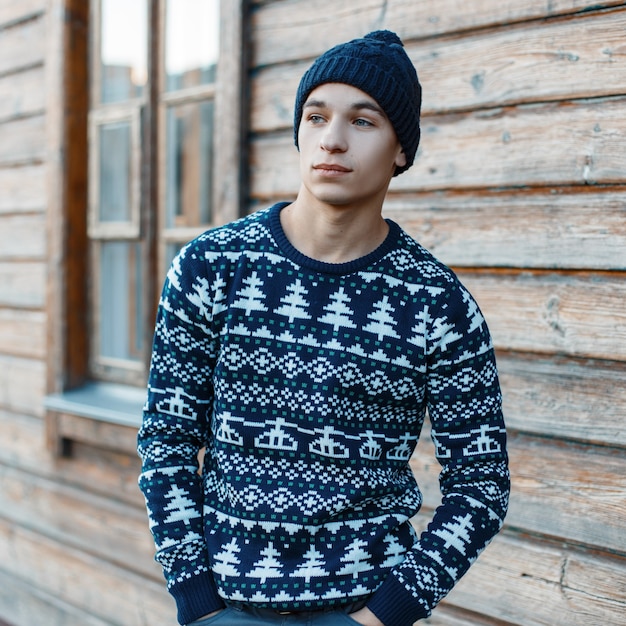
<point>334,137</point>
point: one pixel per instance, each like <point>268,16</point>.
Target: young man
<point>302,346</point>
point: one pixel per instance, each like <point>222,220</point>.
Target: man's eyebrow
<point>317,104</point>
<point>356,106</point>
<point>369,106</point>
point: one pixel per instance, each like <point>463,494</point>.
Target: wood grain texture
<point>22,189</point>
<point>92,585</point>
<point>545,228</point>
<point>523,579</point>
<point>22,284</point>
<point>103,472</point>
<point>23,333</point>
<point>580,314</point>
<point>22,141</point>
<point>531,63</point>
<point>22,385</point>
<point>12,11</point>
<point>520,580</point>
<point>73,516</point>
<point>278,27</point>
<point>574,492</point>
<point>562,398</point>
<point>21,606</point>
<point>429,18</point>
<point>22,46</point>
<point>21,93</point>
<point>552,60</point>
<point>23,237</point>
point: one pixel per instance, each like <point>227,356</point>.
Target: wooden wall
<point>75,549</point>
<point>520,185</point>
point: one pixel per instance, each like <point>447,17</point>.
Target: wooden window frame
<point>78,408</point>
<point>130,229</point>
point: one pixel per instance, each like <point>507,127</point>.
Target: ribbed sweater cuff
<point>196,597</point>
<point>393,605</point>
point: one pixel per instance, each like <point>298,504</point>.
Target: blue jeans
<point>246,616</point>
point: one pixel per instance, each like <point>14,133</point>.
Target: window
<point>161,163</point>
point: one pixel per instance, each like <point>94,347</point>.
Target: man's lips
<point>331,167</point>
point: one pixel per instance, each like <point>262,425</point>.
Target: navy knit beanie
<point>378,65</point>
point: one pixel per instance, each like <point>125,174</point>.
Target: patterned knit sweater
<point>308,383</point>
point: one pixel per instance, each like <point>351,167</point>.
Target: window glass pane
<point>114,183</point>
<point>121,310</point>
<point>123,49</point>
<point>189,164</point>
<point>191,42</point>
<point>171,250</point>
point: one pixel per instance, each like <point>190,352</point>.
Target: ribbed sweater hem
<point>196,597</point>
<point>393,605</point>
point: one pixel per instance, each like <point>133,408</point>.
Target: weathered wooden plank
<point>278,27</point>
<point>21,604</point>
<point>22,141</point>
<point>580,144</point>
<point>585,484</point>
<point>78,579</point>
<point>565,60</point>
<point>13,10</point>
<point>102,434</point>
<point>22,94</point>
<point>517,575</point>
<point>22,46</point>
<point>274,168</point>
<point>22,385</point>
<point>284,32</point>
<point>574,314</point>
<point>22,284</point>
<point>105,472</point>
<point>565,398</point>
<point>23,440</point>
<point>439,17</point>
<point>599,594</point>
<point>531,583</point>
<point>576,58</point>
<point>23,333</point>
<point>22,189</point>
<point>561,229</point>
<point>103,527</point>
<point>448,615</point>
<point>569,491</point>
<point>22,237</point>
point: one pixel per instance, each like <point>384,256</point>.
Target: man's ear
<point>400,158</point>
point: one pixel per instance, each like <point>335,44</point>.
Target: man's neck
<point>333,234</point>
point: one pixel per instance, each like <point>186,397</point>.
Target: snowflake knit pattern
<point>308,384</point>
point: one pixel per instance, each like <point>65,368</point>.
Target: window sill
<point>105,415</point>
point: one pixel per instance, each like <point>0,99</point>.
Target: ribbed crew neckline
<point>322,267</point>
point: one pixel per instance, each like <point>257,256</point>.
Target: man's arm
<point>464,406</point>
<point>174,429</point>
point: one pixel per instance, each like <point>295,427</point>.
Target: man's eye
<point>316,119</point>
<point>362,122</point>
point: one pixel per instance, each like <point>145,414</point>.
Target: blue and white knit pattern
<point>308,384</point>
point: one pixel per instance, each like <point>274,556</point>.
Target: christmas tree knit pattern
<point>308,383</point>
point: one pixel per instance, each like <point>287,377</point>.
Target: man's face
<point>348,147</point>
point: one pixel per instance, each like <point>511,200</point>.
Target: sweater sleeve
<point>464,406</point>
<point>174,430</point>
